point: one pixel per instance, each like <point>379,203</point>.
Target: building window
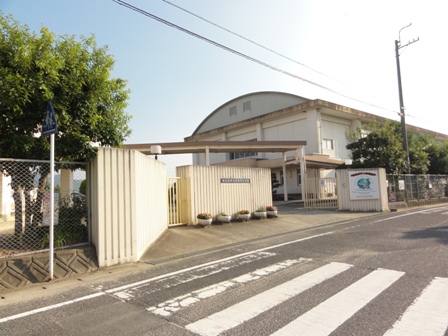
<point>232,111</point>
<point>299,178</point>
<point>247,107</point>
<point>238,155</point>
<point>327,144</point>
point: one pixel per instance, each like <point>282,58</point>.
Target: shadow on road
<point>441,233</point>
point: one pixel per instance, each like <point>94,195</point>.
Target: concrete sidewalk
<point>183,241</point>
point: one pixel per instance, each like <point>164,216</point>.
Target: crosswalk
<point>427,315</point>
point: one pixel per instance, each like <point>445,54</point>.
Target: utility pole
<point>404,135</point>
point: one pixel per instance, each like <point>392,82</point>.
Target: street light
<point>404,135</point>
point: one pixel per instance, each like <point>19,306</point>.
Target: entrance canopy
<point>219,147</point>
<point>208,147</point>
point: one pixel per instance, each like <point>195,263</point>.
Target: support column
<point>285,184</point>
<point>302,163</point>
<point>66,183</point>
<point>207,156</point>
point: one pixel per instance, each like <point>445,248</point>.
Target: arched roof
<point>246,107</point>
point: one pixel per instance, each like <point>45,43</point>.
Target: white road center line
<point>43,309</point>
<point>146,281</point>
<point>428,315</point>
<point>424,212</point>
<point>245,310</point>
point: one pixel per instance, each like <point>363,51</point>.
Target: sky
<point>339,51</point>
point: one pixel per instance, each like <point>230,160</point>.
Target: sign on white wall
<point>364,185</point>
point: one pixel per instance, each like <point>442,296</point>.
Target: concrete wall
<point>128,202</point>
<point>250,189</point>
<point>352,197</point>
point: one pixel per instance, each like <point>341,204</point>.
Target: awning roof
<point>219,147</point>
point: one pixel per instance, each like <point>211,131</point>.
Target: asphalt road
<point>375,276</point>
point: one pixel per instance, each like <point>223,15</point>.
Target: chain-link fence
<point>404,188</point>
<point>25,206</point>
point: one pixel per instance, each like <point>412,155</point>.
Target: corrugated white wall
<point>209,194</point>
<point>343,187</point>
<point>128,204</point>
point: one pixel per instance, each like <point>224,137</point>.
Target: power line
<point>233,51</point>
<point>246,39</point>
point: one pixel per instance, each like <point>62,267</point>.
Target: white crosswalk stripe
<point>428,315</point>
<point>245,310</point>
<point>341,306</point>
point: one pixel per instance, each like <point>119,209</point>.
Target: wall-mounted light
<point>156,149</point>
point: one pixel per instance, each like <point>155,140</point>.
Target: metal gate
<point>178,200</point>
<point>319,193</point>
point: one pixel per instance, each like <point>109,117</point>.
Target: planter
<point>205,222</point>
<point>272,213</point>
<point>244,217</point>
<point>224,219</point>
<point>260,214</point>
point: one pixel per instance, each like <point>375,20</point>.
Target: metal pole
<point>51,261</point>
<point>402,114</point>
<point>404,135</point>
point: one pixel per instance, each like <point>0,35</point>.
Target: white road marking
<point>168,307</point>
<point>245,310</point>
<point>197,274</point>
<point>428,315</point>
<point>43,309</point>
<point>138,283</point>
<point>403,215</point>
<point>341,306</point>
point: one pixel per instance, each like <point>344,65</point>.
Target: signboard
<point>49,127</point>
<point>363,185</point>
<point>235,180</point>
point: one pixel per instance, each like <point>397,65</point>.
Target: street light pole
<point>404,135</point>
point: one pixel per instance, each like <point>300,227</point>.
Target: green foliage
<point>382,147</point>
<point>70,229</point>
<point>75,76</point>
<point>83,187</point>
<point>204,215</point>
<point>274,183</point>
<point>438,157</point>
<point>418,156</point>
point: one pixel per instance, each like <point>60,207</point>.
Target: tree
<point>418,156</point>
<point>438,157</point>
<point>381,147</point>
<point>75,76</point>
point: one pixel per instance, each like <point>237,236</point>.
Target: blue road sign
<point>49,127</point>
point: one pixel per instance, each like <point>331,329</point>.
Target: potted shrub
<point>271,211</point>
<point>260,212</point>
<point>224,217</point>
<point>243,215</point>
<point>204,218</point>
